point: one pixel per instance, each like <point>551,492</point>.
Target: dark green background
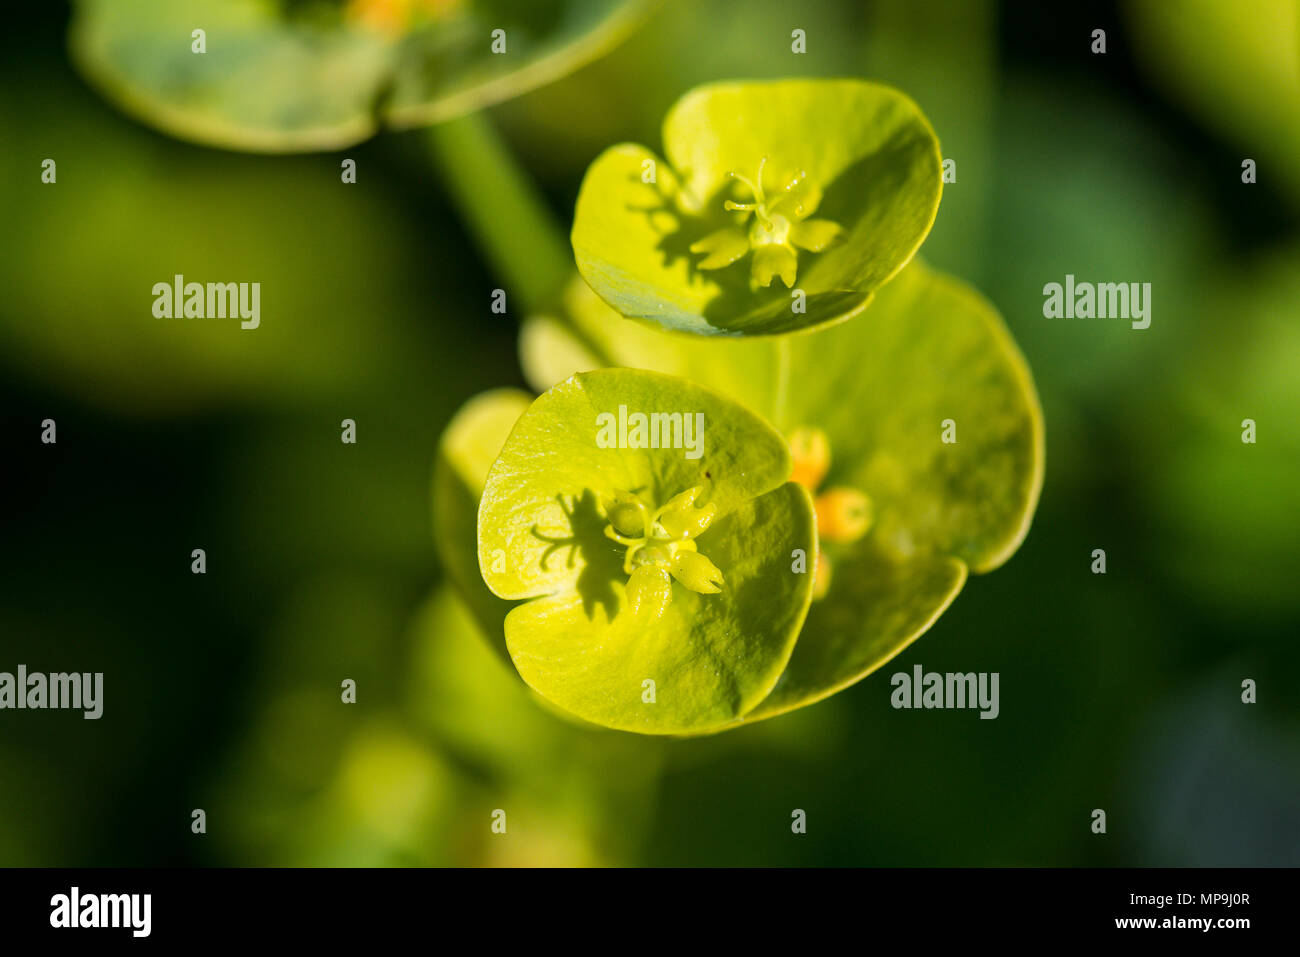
<point>1119,691</point>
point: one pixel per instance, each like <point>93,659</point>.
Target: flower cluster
<point>780,224</point>
<point>660,547</point>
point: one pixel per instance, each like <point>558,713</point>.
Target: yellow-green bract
<point>707,652</point>
<point>781,205</point>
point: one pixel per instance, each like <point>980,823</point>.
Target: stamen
<point>774,232</point>
<point>759,207</point>
<point>757,191</point>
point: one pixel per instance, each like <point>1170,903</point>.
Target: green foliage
<point>293,76</point>
<point>916,428</point>
<point>879,389</point>
<point>828,185</point>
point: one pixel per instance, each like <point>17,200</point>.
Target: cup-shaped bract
<point>710,635</point>
<point>780,205</point>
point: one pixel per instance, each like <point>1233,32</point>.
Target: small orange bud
<point>843,515</point>
<point>811,451</point>
<point>821,576</point>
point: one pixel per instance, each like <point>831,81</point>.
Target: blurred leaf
<point>479,710</point>
<point>624,97</point>
<point>134,212</point>
<point>945,54</point>
<point>473,701</point>
<point>586,334</point>
<point>878,604</point>
<point>820,152</point>
<point>1074,176</point>
<point>1229,511</point>
<point>1237,67</point>
<point>292,76</point>
<point>387,800</point>
<point>467,449</point>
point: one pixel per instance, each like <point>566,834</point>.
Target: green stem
<point>782,382</point>
<point>509,220</point>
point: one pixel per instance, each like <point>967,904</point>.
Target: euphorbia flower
<point>654,591</point>
<point>779,225</point>
<point>660,548</point>
<point>746,166</point>
<point>902,516</point>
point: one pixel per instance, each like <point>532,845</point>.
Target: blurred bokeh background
<point>1119,691</point>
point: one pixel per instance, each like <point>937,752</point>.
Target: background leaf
<point>280,78</point>
<point>469,445</point>
<point>1239,73</point>
<point>587,334</point>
